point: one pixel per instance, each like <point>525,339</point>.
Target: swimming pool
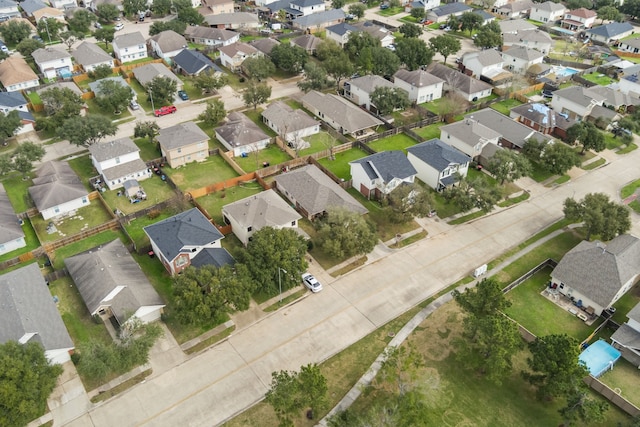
<point>561,71</point>
<point>599,357</point>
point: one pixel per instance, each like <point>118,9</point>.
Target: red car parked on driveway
<point>170,109</point>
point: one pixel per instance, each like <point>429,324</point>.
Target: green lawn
<point>273,155</point>
<point>625,377</point>
<point>200,174</point>
<point>391,11</point>
<point>400,141</point>
<point>94,108</point>
<point>86,217</point>
<point>538,173</point>
<point>611,142</point>
<point>31,239</point>
<point>256,117</point>
<point>214,202</point>
<point>598,78</point>
<point>83,167</point>
<point>213,141</point>
<point>318,142</point>
<point>58,257</point>
<point>340,165</point>
<point>136,227</point>
<point>17,191</point>
<point>629,189</point>
<point>505,106</point>
<point>148,150</point>
<point>430,132</point>
<point>156,189</point>
<point>626,303</point>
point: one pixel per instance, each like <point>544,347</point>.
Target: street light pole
<point>280,281</point>
<point>151,97</point>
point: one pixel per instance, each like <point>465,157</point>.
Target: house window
<point>561,285</point>
<point>117,160</point>
<point>249,228</point>
<point>293,223</point>
<point>84,200</point>
<point>182,260</point>
<point>179,150</point>
<point>56,209</point>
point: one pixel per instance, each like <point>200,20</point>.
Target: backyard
<point>318,142</point>
<point>400,141</point>
<point>85,218</point>
<point>83,167</point>
<point>598,78</point>
<point>201,174</point>
<point>505,106</point>
<point>148,150</point>
<point>58,257</point>
<point>155,188</point>
<point>272,154</point>
<point>430,132</point>
<point>624,377</point>
<point>340,164</point>
<point>135,228</point>
<point>17,190</point>
<point>214,202</point>
<point>30,238</point>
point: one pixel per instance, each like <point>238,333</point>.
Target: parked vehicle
<point>170,109</point>
<point>384,6</point>
<point>38,39</point>
<point>134,105</point>
<point>97,25</point>
<point>183,95</point>
<point>119,26</point>
<point>311,283</point>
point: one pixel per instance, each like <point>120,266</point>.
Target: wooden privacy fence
<point>110,225</point>
<point>22,258</point>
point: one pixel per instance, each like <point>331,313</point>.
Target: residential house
<point>16,74</point>
<point>595,275</point>
<point>64,4</point>
<point>28,313</point>
<point>97,84</point>
<point>541,118</point>
<point>491,4</point>
<point>517,9</point>
<point>31,6</point>
<point>15,101</point>
<point>318,21</point>
<point>241,135</point>
<point>377,175</point>
<point>91,55</point>
<point>60,85</point>
<point>112,285</point>
<point>264,46</point>
<point>339,33</point>
<point>57,190</point>
<point>519,58</point>
<point>612,98</point>
<point>486,65</point>
<point>192,63</point>
<point>378,32</point>
<point>145,74</point>
<point>9,9</point>
<point>167,44</point>
<point>211,36</point>
<point>291,125</point>
<point>471,89</point>
<point>420,85</point>
<point>183,143</point>
<point>438,164</point>
<point>513,134</point>
<point>314,194</point>
<point>24,21</point>
<point>233,21</point>
<point>531,39</point>
<point>610,33</point>
<point>630,45</point>
<point>187,239</point>
<point>426,5</point>
<point>265,209</point>
<point>547,12</point>
<point>629,84</point>
<point>443,12</point>
<point>232,56</point>
<point>339,113</point>
<point>579,19</point>
<point>359,90</point>
<point>216,7</point>
<point>627,337</point>
<point>469,136</point>
<point>484,15</point>
<point>129,47</point>
<point>307,7</point>
<point>118,161</point>
<point>308,42</point>
<point>512,26</point>
<point>53,62</point>
<point>575,102</point>
<point>12,235</point>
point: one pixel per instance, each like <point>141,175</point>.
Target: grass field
<point>136,227</point>
<point>318,142</point>
<point>625,377</point>
<point>31,239</point>
<point>148,150</point>
<point>86,217</point>
<point>273,155</point>
<point>340,165</point>
<point>626,303</point>
<point>17,191</point>
<point>598,78</point>
<point>430,132</point>
<point>505,106</point>
<point>394,142</point>
<point>155,188</point>
<point>200,174</point>
<point>214,202</point>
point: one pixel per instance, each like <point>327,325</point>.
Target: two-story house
<point>425,5</point>
<point>575,102</point>
<point>118,161</point>
<point>16,74</point>
<point>512,26</point>
<point>90,55</point>
<point>318,21</point>
<point>519,58</point>
<point>129,47</point>
<point>579,19</point>
<point>541,118</point>
<point>531,39</point>
<point>420,85</point>
<point>232,56</point>
<point>378,32</point>
<point>547,12</point>
<point>516,9</point>
<point>9,9</point>
<point>63,4</point>
<point>469,136</point>
<point>307,7</point>
<point>53,62</point>
<point>359,90</point>
<point>437,164</point>
<point>167,44</point>
<point>339,33</point>
<point>183,143</point>
<point>211,36</point>
<point>470,88</point>
<point>513,134</point>
<point>487,63</point>
<point>377,175</point>
<point>216,7</point>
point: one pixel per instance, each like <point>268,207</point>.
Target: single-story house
<point>314,194</point>
<point>627,337</point>
<point>420,85</point>
<point>630,45</point>
<point>211,36</point>
<point>293,125</point>
<point>469,136</point>
<point>265,209</point>
<point>183,143</point>
<point>29,314</point>
<point>318,21</point>
<point>49,12</point>
<point>148,72</point>
<point>378,32</point>
<point>547,12</point>
<point>16,74</point>
<point>60,85</point>
<point>57,190</point>
<point>308,42</point>
<point>471,89</point>
<point>95,85</point>
<point>339,113</point>
<point>241,135</point>
<point>167,44</point>
<point>575,101</point>
<point>443,12</point>
<point>129,47</point>
<point>512,26</point>
<point>377,175</point>
<point>610,33</point>
<point>91,55</point>
<point>187,239</point>
<point>517,9</point>
<point>519,58</point>
<point>629,84</point>
<point>233,21</point>
<point>579,19</point>
<point>112,284</point>
<point>265,46</point>
<point>118,161</point>
<point>12,235</point>
<point>192,63</point>
<point>359,90</point>
<point>30,6</point>
<point>513,134</point>
<point>595,274</point>
<point>612,98</point>
<point>232,56</point>
<point>437,163</point>
<point>339,33</point>
<point>532,39</point>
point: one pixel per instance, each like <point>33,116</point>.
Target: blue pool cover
<point>599,357</point>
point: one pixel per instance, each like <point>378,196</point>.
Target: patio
<point>566,304</point>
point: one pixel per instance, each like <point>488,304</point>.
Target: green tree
<point>490,339</point>
<point>589,136</point>
<point>113,95</point>
<point>148,129</point>
<point>161,7</point>
<point>24,156</point>
<point>408,202</point>
<point>27,46</point>
<point>338,4</point>
<point>343,234</point>
<point>582,409</point>
<point>508,166</point>
<point>473,194</point>
<point>105,34</point>
<point>259,67</point>
<point>577,4</point>
<point>59,105</point>
<point>378,60</point>
<point>401,365</point>
<point>271,249</point>
<point>6,165</point>
<point>357,10</point>
<point>410,30</point>
<point>256,93</point>
<point>558,158</point>
<point>600,215</point>
<point>70,38</point>
<point>290,58</point>
<point>174,25</point>
<point>451,105</point>
<point>209,82</point>
<point>418,13</point>
<point>631,8</point>
<point>470,21</point>
<point>163,90</point>
<point>86,130</point>
<point>132,7</point>
<point>107,12</point>
<point>313,387</point>
<point>357,42</point>
<point>532,149</point>
<point>413,53</point>
<point>339,67</point>
<point>446,45</point>
<point>610,13</point>
<point>49,28</point>
<point>387,99</point>
<point>100,72</point>
<point>209,293</point>
<point>214,113</point>
<point>14,31</point>
<point>188,14</point>
<point>328,49</point>
<point>26,381</point>
<point>81,21</point>
<point>9,124</point>
<point>489,36</point>
<point>315,78</point>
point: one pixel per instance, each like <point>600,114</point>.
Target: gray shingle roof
<point>514,25</point>
<point>10,229</point>
<point>450,8</point>
<point>193,62</point>
<point>95,85</point>
<point>369,82</point>
<point>189,228</point>
<point>30,6</point>
<point>148,72</point>
<point>89,54</point>
<point>129,40</point>
<point>209,33</point>
<point>611,30</point>
<point>579,95</point>
<point>169,41</point>
<point>550,6</point>
<point>387,165</point>
<point>511,130</point>
<point>344,113</point>
<point>627,336</point>
<point>112,149</point>
<point>517,6</point>
<point>342,28</point>
<point>470,131</point>
<point>307,41</point>
<point>484,57</point>
<point>264,45</point>
<point>599,271</point>
<point>12,99</point>
<point>284,116</point>
<point>102,270</point>
<point>231,18</point>
<point>60,85</point>
<point>533,36</point>
<point>438,155</point>
<point>265,209</point>
<point>319,18</point>
<point>523,53</point>
<point>181,135</point>
<point>124,169</point>
<point>315,192</point>
<point>217,257</point>
<point>417,78</point>
<point>458,80</point>
<point>26,306</point>
<point>42,55</point>
<point>56,183</point>
<point>240,130</point>
<point>634,313</point>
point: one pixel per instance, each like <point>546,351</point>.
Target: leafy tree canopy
<point>112,95</point>
<point>209,82</point>
<point>214,113</point>
<point>600,215</point>
<point>315,78</point>
<point>508,166</point>
<point>410,30</point>
<point>413,53</point>
<point>446,45</point>
<point>328,49</point>
<point>27,46</point>
<point>344,234</point>
<point>105,34</point>
<point>107,12</point>
<point>86,130</point>
<point>357,10</point>
<point>387,99</point>
<point>175,25</point>
<point>13,31</point>
<point>163,90</point>
<point>81,21</point>
<point>259,67</point>
<point>256,93</point>
<point>289,57</point>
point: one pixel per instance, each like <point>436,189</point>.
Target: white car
<point>311,283</point>
<point>119,26</point>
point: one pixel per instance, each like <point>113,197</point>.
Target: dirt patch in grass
<point>433,337</point>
